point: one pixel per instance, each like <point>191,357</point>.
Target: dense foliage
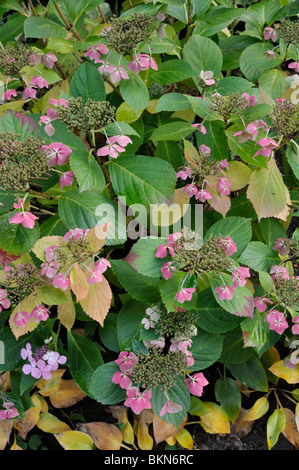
<point>149,195</point>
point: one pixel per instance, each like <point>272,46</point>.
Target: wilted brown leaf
<point>163,430</point>
<point>5,430</point>
<point>240,427</point>
<point>31,418</point>
<point>290,431</point>
<point>104,435</point>
<point>67,394</point>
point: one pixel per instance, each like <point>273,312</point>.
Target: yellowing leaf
<point>171,441</point>
<point>97,236</point>
<point>164,215</point>
<point>127,430</point>
<point>78,282</point>
<point>98,300</point>
<point>45,242</point>
<point>258,410</point>
<point>104,435</point>
<point>145,441</point>
<point>27,305</point>
<point>191,154</point>
<point>47,387</point>
<point>220,204</point>
<point>31,417</point>
<point>268,193</point>
<point>238,175</point>
<point>74,440</point>
<point>289,375</point>
<point>290,431</point>
<point>66,313</point>
<point>214,420</point>
<point>67,394</point>
<point>275,425</point>
<point>184,438</point>
<point>49,423</point>
<point>5,430</point>
<point>163,430</point>
<point>241,427</point>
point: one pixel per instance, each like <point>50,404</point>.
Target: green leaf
<point>140,287</point>
<point>171,152</point>
<point>38,27</point>
<point>170,287</point>
<point>12,28</point>
<point>14,238</point>
<point>244,150</point>
<point>232,48</point>
<point>238,228</point>
<point>175,130</point>
<point>87,82</point>
<point>134,92</point>
<point>52,296</point>
<point>211,317</point>
<point>254,63</point>
<point>206,349</point>
<point>129,323</point>
<point>292,154</point>
<point>266,281</point>
<point>142,256</point>
<point>215,138</point>
<point>83,359</point>
<point>171,71</point>
<point>251,373</point>
<point>88,172</point>
<point>275,425</point>
<point>259,257</point>
<point>234,351</point>
<point>108,332</point>
<point>229,85</point>
<point>53,226</point>
<point>101,387</point>
<point>173,102</point>
<point>195,53</point>
<point>228,394</point>
<point>217,19</point>
<point>271,229</point>
<point>242,302</point>
<point>272,82</point>
<point>255,331</point>
<point>179,394</point>
<point>144,180</point>
<point>90,208</point>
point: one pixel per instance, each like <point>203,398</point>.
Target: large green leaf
<point>238,228</point>
<point>90,208</point>
<point>88,172</point>
<point>195,53</point>
<point>83,359</point>
<point>211,317</point>
<point>129,323</point>
<point>170,287</point>
<point>38,27</point>
<point>87,82</point>
<point>259,257</point>
<point>229,395</point>
<point>251,373</point>
<point>171,71</point>
<point>142,256</point>
<point>217,19</point>
<point>271,229</point>
<point>134,92</point>
<point>254,63</point>
<point>144,180</point>
<point>175,130</point>
<point>14,238</point>
<point>140,287</point>
<point>234,351</point>
<point>206,349</point>
<point>101,387</point>
<point>179,394</point>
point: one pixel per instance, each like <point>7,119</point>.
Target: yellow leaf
<point>258,410</point>
<point>238,175</point>
<point>45,242</point>
<point>78,282</point>
<point>67,394</point>
<point>190,152</point>
<point>275,425</point>
<point>185,114</point>
<point>170,441</point>
<point>31,417</point>
<point>291,376</point>
<point>15,446</point>
<point>145,441</point>
<point>16,105</point>
<point>74,440</point>
<point>47,387</point>
<point>184,438</point>
<point>104,435</point>
<point>27,305</point>
<point>5,430</point>
<point>49,423</point>
<point>97,236</point>
<point>164,215</point>
<point>66,313</point>
<point>152,106</point>
<point>127,430</point>
<point>98,300</point>
<point>214,419</point>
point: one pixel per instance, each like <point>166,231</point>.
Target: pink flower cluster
<point>251,132</point>
<point>8,411</point>
<point>142,62</point>
<point>4,301</point>
<point>38,313</point>
<point>195,383</point>
<point>42,362</point>
<point>115,145</point>
<point>48,59</point>
<point>24,218</point>
<point>201,194</point>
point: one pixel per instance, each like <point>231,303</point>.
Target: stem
<point>41,195</point>
<point>102,14</point>
<point>42,211</point>
<point>125,447</point>
<point>32,7</point>
<point>112,85</point>
<point>67,24</point>
<point>289,398</point>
